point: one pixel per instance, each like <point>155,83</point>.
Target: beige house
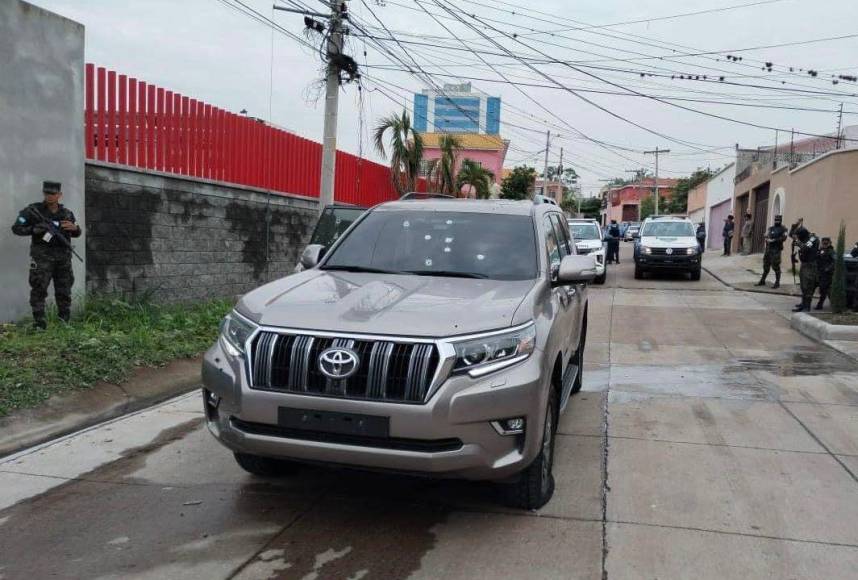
<point>697,203</point>
<point>823,190</point>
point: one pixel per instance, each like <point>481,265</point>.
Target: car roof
<point>500,206</point>
<point>668,218</point>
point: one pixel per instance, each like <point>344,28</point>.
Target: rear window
<point>668,230</point>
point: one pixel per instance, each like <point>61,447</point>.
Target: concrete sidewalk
<point>743,273</point>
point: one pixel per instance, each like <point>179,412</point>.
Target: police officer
<point>50,225</point>
<point>701,237</point>
<point>808,252</point>
<point>775,238</point>
<point>613,243</point>
<point>825,270</point>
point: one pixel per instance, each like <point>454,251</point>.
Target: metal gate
<point>717,214</point>
<point>761,211</point>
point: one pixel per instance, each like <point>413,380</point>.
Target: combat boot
<point>39,321</point>
<point>819,304</point>
<point>762,282</point>
<point>777,282</point>
<point>804,306</point>
<point>65,316</point>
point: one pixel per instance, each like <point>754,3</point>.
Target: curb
<point>758,290</point>
<point>820,330</point>
<point>67,413</point>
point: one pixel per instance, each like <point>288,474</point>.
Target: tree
<point>406,151</point>
<point>475,175</point>
<point>568,176</point>
<point>647,207</point>
<point>591,207</point>
<point>678,203</point>
<point>517,184</point>
<point>838,283</point>
<point>442,171</point>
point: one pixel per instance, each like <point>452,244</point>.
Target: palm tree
<point>442,171</point>
<point>475,175</point>
<point>406,151</point>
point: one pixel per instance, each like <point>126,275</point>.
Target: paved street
<point>711,441</point>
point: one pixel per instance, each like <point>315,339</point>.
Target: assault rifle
<point>53,230</point>
<point>795,246</point>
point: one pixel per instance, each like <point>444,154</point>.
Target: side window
<point>551,246</point>
<point>563,236</point>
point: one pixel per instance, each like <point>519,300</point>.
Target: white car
<point>587,236</point>
<point>667,243</point>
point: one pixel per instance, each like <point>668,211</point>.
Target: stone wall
<point>178,239</point>
<point>41,133</point>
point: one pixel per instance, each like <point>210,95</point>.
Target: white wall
<point>718,189</point>
<point>41,133</point>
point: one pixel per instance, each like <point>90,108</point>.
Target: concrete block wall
<point>180,239</point>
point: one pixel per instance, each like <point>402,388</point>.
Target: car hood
<point>669,242</point>
<point>421,306</point>
<point>589,244</point>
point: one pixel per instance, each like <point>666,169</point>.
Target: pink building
<point>487,150</point>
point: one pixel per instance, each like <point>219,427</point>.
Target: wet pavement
<point>710,441</point>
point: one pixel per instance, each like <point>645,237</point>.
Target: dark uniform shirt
<point>809,250</point>
<point>30,224</point>
<point>776,236</point>
<point>825,261</point>
<point>727,232</point>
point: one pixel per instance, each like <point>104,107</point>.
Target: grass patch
<point>845,318</point>
<point>104,342</point>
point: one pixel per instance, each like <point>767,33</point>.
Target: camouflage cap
<point>52,187</point>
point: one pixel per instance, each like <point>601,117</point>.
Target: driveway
<point>710,441</point>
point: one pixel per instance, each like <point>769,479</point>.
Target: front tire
<point>264,466</point>
<point>638,272</point>
<point>695,275</point>
<point>535,485</point>
<point>601,279</point>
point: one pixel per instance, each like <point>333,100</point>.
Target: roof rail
<point>537,199</point>
<point>425,195</point>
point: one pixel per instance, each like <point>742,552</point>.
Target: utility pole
<point>839,126</point>
<point>337,63</point>
<point>545,167</point>
<point>656,152</point>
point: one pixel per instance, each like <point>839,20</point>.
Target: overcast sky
<point>209,51</point>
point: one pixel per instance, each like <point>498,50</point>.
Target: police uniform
<point>825,273</point>
<point>775,237</point>
<point>50,258</point>
<point>808,252</point>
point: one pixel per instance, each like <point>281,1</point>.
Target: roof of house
<point>468,141</point>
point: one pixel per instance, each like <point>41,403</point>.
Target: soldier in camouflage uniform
<point>808,253</point>
<point>775,238</point>
<point>50,225</point>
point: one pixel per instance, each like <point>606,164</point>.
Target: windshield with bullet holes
<point>455,244</point>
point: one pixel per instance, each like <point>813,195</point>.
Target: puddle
<point>796,363</point>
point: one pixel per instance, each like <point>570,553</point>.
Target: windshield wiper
<point>345,268</point>
<point>445,273</point>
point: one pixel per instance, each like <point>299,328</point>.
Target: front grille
<point>397,443</point>
<point>388,370</point>
<point>663,252</point>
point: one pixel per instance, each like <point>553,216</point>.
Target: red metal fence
<point>130,122</point>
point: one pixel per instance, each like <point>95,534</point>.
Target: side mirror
<point>636,235</point>
<point>312,255</point>
<point>577,268</point>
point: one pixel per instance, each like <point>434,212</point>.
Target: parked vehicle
<point>588,239</point>
<point>667,243</point>
<point>334,220</point>
<point>443,337</point>
<point>632,230</point>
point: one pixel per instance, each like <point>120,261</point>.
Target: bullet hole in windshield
<point>406,224</point>
<point>427,237</point>
<point>428,261</point>
<point>480,257</point>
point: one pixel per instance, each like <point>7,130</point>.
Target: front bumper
<point>449,436</point>
<point>600,258</point>
<point>672,262</point>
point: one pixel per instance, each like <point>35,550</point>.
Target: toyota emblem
<point>338,363</point>
<point>668,251</point>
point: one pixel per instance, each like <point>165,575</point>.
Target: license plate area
<point>334,422</point>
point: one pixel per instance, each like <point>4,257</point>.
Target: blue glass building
<point>457,109</point>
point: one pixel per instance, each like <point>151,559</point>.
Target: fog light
<point>510,426</point>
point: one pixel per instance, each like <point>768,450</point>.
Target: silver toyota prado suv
<point>439,337</point>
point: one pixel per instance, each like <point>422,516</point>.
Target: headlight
<point>691,251</point>
<point>483,355</point>
<point>646,250</point>
<point>235,330</point>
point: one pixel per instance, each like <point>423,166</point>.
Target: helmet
<point>802,234</point>
<point>779,219</point>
